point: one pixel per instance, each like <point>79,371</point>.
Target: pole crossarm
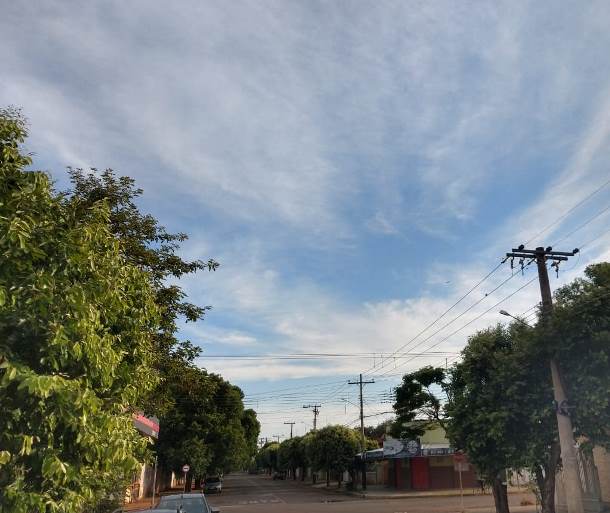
<point>316,410</point>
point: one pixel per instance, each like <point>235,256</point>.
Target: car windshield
<point>211,480</point>
<point>189,504</point>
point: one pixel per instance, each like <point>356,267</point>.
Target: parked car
<point>184,503</point>
<point>280,474</point>
<point>212,485</point>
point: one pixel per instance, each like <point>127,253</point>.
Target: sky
<point>356,167</point>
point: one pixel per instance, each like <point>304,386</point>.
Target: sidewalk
<point>381,492</point>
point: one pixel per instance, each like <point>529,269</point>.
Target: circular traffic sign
<point>186,468</point>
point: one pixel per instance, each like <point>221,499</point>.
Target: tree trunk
<point>547,486</point>
<point>327,477</point>
<point>500,496</point>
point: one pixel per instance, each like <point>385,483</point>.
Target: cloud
<point>285,137</point>
<point>379,223</point>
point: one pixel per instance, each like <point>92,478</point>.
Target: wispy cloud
<point>355,170</point>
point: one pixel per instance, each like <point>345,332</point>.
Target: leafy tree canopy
<point>147,245</point>
<point>417,399</point>
<point>333,448</point>
<point>76,336</point>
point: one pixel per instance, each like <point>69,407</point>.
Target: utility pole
<point>363,443</point>
<point>566,437</point>
<point>291,424</point>
<point>316,411</point>
<point>278,438</point>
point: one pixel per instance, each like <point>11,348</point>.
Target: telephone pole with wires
<point>573,489</point>
<point>291,425</point>
<point>316,412</point>
<point>360,383</point>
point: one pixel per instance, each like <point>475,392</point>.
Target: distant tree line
<point>331,450</point>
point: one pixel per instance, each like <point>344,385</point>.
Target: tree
<point>202,416</point>
<point>267,456</point>
<point>333,449</point>
<point>416,400</point>
<point>76,336</point>
<point>206,426</point>
<point>252,428</point>
<point>499,410</point>
<point>580,337</point>
<point>379,431</point>
<point>147,245</point>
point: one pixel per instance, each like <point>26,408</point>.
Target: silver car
<point>212,485</point>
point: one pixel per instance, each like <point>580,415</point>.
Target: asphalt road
<point>244,493</point>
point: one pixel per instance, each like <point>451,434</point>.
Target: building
<point>425,464</point>
<point>142,482</point>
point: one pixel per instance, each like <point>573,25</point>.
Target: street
<point>244,493</point>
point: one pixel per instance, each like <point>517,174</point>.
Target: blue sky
<point>355,167</point>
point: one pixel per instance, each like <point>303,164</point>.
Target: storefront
<point>409,465</point>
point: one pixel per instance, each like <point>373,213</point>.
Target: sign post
<point>461,465</point>
<point>152,502</point>
<point>185,469</point>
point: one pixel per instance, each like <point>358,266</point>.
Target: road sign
<point>460,462</point>
<point>459,457</point>
<point>186,468</point>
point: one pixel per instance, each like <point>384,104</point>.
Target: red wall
<point>420,474</point>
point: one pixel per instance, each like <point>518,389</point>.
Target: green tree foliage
<point>333,449</point>
<point>580,339</point>
<point>416,399</point>
<point>379,431</point>
<point>147,245</point>
<point>499,408</point>
<point>267,456</point>
<point>76,327</point>
<point>292,455</point>
<point>206,425</point>
<point>252,428</point>
<point>203,421</point>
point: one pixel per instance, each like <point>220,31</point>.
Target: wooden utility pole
<point>363,442</point>
<point>291,424</point>
<point>566,437</point>
<point>316,411</point>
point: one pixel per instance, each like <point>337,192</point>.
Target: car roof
<point>180,495</point>
<point>157,510</point>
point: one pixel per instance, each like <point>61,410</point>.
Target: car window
<point>189,504</point>
<point>212,480</point>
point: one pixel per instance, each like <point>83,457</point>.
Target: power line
<point>476,303</point>
<point>313,356</point>
<point>568,212</point>
<point>474,287</point>
<point>604,210</point>
<point>475,319</point>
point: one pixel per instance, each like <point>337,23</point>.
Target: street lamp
<point>504,312</point>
